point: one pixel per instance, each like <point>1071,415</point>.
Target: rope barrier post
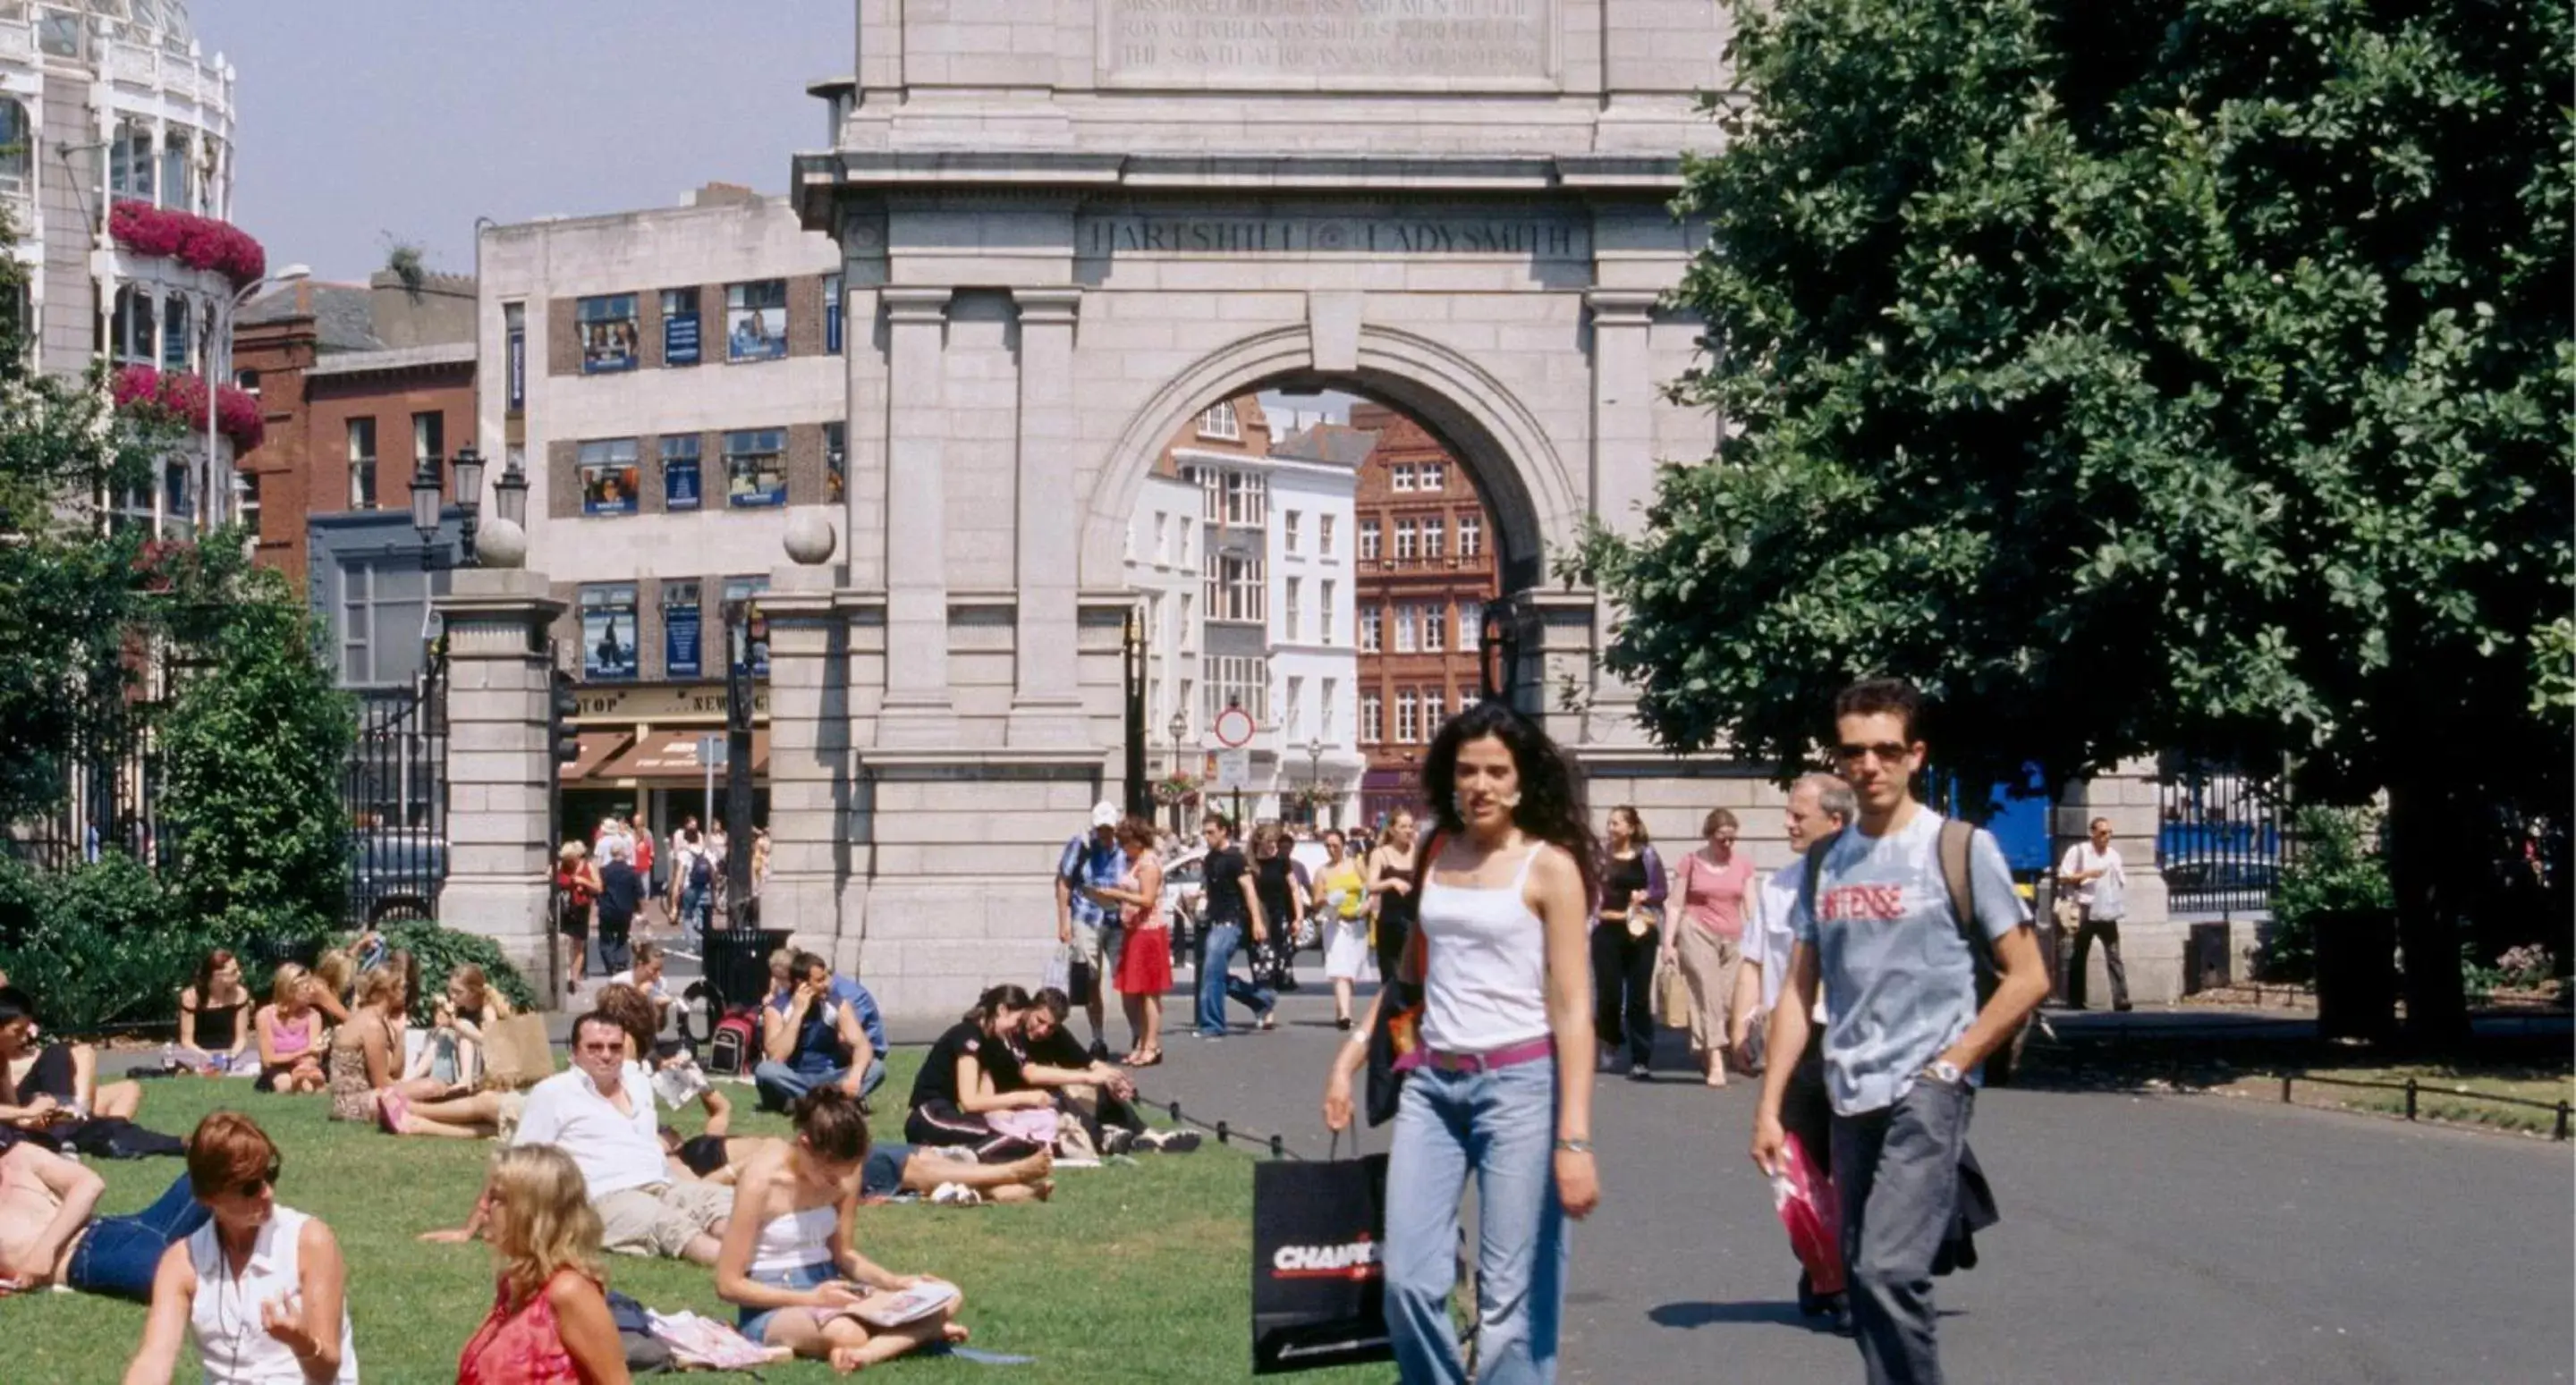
<point>2562,1120</point>
<point>2410,1098</point>
<point>1175,1109</point>
<point>2285,1089</point>
<point>1221,1132</point>
<point>1278,1147</point>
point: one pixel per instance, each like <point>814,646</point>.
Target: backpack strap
<point>1816,867</point>
<point>1952,847</point>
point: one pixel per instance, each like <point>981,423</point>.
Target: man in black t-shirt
<point>1230,903</point>
<point>1099,1094</point>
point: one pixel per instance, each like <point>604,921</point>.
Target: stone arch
<point>1517,470</point>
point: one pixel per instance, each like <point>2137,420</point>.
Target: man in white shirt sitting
<point>2093,871</point>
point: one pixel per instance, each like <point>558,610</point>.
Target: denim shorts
<point>754,1322</point>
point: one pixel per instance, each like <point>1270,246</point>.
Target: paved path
<point>2145,1238</point>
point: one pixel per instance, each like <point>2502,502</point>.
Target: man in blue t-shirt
<point>1905,1034</point>
<point>825,1030</point>
<point>1083,923</point>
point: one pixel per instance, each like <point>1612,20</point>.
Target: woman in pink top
<point>1705,938</point>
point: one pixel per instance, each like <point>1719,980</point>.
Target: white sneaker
<point>955,1195</point>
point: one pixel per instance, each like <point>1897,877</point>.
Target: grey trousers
<point>2108,930</point>
<point>1898,1171</point>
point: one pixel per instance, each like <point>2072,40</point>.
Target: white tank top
<point>794,1241</point>
<point>223,1318</point>
<point>1486,984</point>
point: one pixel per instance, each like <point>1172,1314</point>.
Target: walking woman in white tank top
<point>1501,1083</point>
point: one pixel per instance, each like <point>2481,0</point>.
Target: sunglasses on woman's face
<point>265,1178</point>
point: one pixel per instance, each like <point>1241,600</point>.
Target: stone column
<point>1623,474</point>
<point>809,745</point>
<point>2151,943</point>
<point>918,710</point>
<point>1046,697</point>
<point>500,828</point>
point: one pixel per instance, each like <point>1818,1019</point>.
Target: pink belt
<point>1513,1056</point>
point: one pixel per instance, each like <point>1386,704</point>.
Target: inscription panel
<point>1511,237</point>
<point>1330,45</point>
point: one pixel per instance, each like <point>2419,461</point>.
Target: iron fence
<point>112,780</point>
<point>395,793</point>
<point>2222,837</point>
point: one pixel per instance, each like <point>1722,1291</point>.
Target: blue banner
<point>680,483</point>
<point>519,372</point>
<point>680,641</point>
<point>680,339</point>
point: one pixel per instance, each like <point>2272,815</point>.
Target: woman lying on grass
<point>788,1261</point>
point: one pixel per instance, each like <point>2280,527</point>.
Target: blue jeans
<point>780,1084</point>
<point>1501,1126</point>
<point>119,1255</point>
<point>693,909</point>
<point>1216,981</point>
<point>754,1322</point>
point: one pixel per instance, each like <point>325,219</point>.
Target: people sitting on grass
<point>601,1113</point>
<point>337,972</point>
<point>893,1168</point>
<point>549,1323</point>
<point>828,1034</point>
<point>652,1054</point>
<point>972,1077</point>
<point>646,976</point>
<point>788,1261</point>
<point>214,1020</point>
<point>47,1086</point>
<point>289,1031</point>
<point>1098,1094</point>
<point>457,1019</point>
<point>49,1235</point>
<point>366,1085</point>
<point>259,1289</point>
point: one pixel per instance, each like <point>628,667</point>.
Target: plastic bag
<point>1812,1213</point>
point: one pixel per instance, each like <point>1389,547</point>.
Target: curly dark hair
<point>1551,807</point>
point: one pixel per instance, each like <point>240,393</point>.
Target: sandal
<point>1146,1060</point>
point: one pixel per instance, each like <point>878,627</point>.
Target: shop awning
<point>673,755</point>
<point>597,748</point>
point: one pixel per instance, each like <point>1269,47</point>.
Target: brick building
<point>1425,554</point>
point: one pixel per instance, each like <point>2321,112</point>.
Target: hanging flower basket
<point>179,398</point>
<point>199,242</point>
<point>1181,789</point>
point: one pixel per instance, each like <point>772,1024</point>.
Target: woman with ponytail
<point>1499,1086</point>
<point>972,1075</point>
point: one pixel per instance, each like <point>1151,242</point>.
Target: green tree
<point>2139,374</point>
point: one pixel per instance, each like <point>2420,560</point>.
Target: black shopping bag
<point>1318,1284</point>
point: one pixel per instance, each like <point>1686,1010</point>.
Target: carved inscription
<point>1328,43</point>
<point>1535,239</point>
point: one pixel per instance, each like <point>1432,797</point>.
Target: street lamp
<point>219,329</point>
<point>427,506</point>
<point>1315,782</point>
<point>510,493</point>
<point>1180,724</point>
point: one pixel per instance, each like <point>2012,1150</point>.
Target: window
<point>1400,477</point>
<point>608,631</point>
<point>1181,534</point>
<point>1238,682</point>
<point>1324,615</point>
<point>1211,497</point>
<point>1324,535</point>
<point>1236,590</point>
<point>680,336</point>
<point>748,590</point>
<point>58,33</point>
<point>383,606</point>
<point>832,316</point>
<point>1160,550</point>
<point>174,333</point>
<point>1247,500</point>
<point>756,320</point>
<point>682,486</point>
<point>246,500</point>
<point>1219,422</point>
<point>1471,625</point>
<point>1189,625</point>
<point>836,460</point>
<point>755,468</point>
<point>14,143</point>
<point>1189,700</point>
<point>1408,621</point>
<point>1288,533</point>
<point>1434,537</point>
<point>1406,541</point>
<point>429,444</point>
<point>1435,628</point>
<point>1408,717</point>
<point>1368,540</point>
<point>1372,718</point>
<point>1372,628</point>
<point>1471,535</point>
<point>130,327</point>
<point>1435,708</point>
<point>610,479</point>
<point>1294,621</point>
<point>129,161</point>
<point>1293,720</point>
<point>1324,711</point>
<point>514,324</point>
<point>608,332</point>
<point>247,381</point>
<point>1434,477</point>
<point>683,628</point>
<point>362,464</point>
<point>174,168</point>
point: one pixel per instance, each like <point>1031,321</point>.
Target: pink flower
<point>199,242</point>
<point>180,398</point>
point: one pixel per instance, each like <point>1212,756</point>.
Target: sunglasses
<point>265,1178</point>
<point>1886,751</point>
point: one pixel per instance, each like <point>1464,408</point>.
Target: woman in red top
<point>576,887</point>
<point>549,1323</point>
<point>1705,938</point>
<point>1145,962</point>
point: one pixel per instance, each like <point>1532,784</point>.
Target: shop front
<point>656,750</point>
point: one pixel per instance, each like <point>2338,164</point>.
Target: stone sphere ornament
<point>499,543</point>
<point>810,537</point>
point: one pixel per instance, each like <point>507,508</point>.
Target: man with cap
<point>1088,927</point>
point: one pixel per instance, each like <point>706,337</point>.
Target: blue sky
<point>366,121</point>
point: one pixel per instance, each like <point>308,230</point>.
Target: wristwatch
<point>1943,1071</point>
<point>1575,1146</point>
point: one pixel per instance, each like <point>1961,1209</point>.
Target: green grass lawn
<point>1130,1274</point>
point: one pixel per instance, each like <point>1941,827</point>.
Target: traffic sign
<point>1234,728</point>
<point>712,751</point>
<point>1233,770</point>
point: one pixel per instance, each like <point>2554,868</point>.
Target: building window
<point>1293,719</point>
<point>1471,535</point>
<point>1372,718</point>
<point>1324,711</point>
<point>514,325</point>
<point>836,460</point>
<point>130,327</point>
<point>1368,540</point>
<point>680,330</point>
<point>756,468</point>
<point>1434,477</point>
<point>247,381</point>
<point>748,590</point>
<point>683,626</point>
<point>383,607</point>
<point>832,316</point>
<point>1211,504</point>
<point>611,480</point>
<point>683,488</point>
<point>756,320</point>
<point>1247,500</point>
<point>1408,717</point>
<point>1435,628</point>
<point>1294,611</point>
<point>129,161</point>
<point>246,488</point>
<point>174,169</point>
<point>1235,681</point>
<point>1189,627</point>
<point>1407,541</point>
<point>1407,626</point>
<point>1372,629</point>
<point>1236,590</point>
<point>609,332</point>
<point>429,444</point>
<point>58,33</point>
<point>15,141</point>
<point>1471,625</point>
<point>1435,708</point>
<point>608,631</point>
<point>1189,709</point>
<point>362,464</point>
<point>1288,532</point>
<point>1220,423</point>
<point>1324,615</point>
<point>1324,535</point>
<point>1400,478</point>
<point>174,333</point>
<point>1435,536</point>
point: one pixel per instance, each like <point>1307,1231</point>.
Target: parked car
<point>394,876</point>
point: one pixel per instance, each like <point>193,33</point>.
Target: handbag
<point>1672,995</point>
<point>516,1052</point>
<point>1059,970</point>
<point>1398,1029</point>
<point>1811,1212</point>
<point>1318,1281</point>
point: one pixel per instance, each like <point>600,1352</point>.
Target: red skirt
<point>1145,963</point>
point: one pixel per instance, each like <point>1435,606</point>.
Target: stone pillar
<point>500,827</point>
<point>2151,943</point>
<point>809,745</point>
<point>1623,475</point>
<point>918,710</point>
<point>1046,696</point>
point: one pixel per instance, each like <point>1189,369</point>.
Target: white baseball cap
<point>1105,814</point>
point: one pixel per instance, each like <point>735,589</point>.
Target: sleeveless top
<point>795,1240</point>
<point>218,1024</point>
<point>1136,916</point>
<point>1342,881</point>
<point>517,1348</point>
<point>1713,896</point>
<point>352,1099</point>
<point>1394,907</point>
<point>1486,983</point>
<point>223,1317</point>
<point>294,1039</point>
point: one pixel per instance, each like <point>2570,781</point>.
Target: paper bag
<point>516,1052</point>
<point>1318,1287</point>
<point>1672,996</point>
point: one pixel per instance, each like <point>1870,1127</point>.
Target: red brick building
<point>1425,557</point>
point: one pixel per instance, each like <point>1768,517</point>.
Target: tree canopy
<point>2137,375</point>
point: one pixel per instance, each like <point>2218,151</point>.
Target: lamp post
<point>219,330</point>
<point>1315,782</point>
<point>510,493</point>
<point>1180,724</point>
<point>428,507</point>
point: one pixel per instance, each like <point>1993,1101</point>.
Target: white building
<point>1163,549</point>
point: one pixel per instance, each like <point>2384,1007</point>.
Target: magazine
<point>905,1305</point>
<point>679,1084</point>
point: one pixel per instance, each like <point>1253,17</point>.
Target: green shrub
<point>2337,867</point>
<point>441,951</point>
<point>109,944</point>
